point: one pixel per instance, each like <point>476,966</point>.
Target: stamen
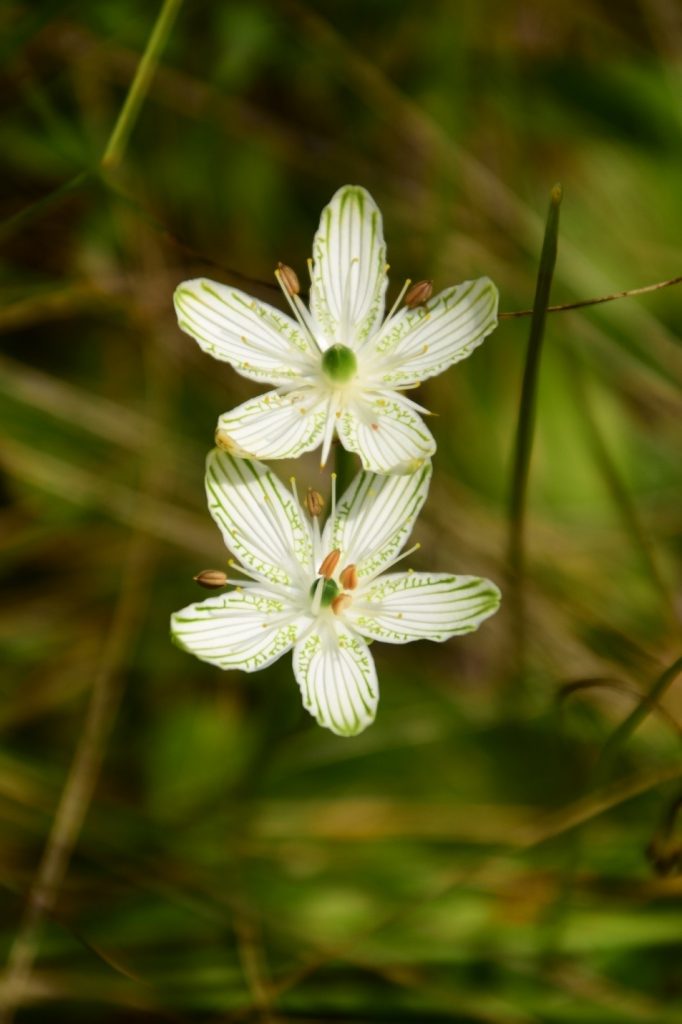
<point>298,309</point>
<point>329,429</point>
<point>211,579</point>
<point>419,294</point>
<point>314,502</point>
<point>317,597</point>
<point>340,603</point>
<point>349,577</point>
<point>399,558</point>
<point>333,510</point>
<point>289,279</point>
<point>294,490</point>
<point>398,300</point>
<point>328,567</point>
<point>247,572</point>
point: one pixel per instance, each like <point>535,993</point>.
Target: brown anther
<point>328,567</point>
<point>212,579</point>
<point>314,502</point>
<point>418,294</point>
<point>349,577</point>
<point>289,279</point>
<point>341,602</point>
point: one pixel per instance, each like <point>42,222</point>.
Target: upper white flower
<point>339,365</point>
<point>323,592</point>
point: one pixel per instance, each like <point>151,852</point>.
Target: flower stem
<point>344,467</point>
<point>115,148</point>
<point>525,425</point>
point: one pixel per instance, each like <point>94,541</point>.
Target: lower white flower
<point>323,592</point>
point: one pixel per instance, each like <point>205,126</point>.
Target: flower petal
<point>386,432</point>
<point>404,606</point>
<point>260,521</point>
<point>245,629</point>
<point>275,426</point>
<point>338,680</point>
<point>260,342</point>
<point>419,343</point>
<point>374,518</point>
<point>349,267</point>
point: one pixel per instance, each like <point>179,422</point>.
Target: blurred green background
<point>473,856</point>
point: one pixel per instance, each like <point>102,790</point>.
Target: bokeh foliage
<point>470,857</point>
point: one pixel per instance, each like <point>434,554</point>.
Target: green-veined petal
<point>386,432</point>
<point>349,267</point>
<point>260,521</point>
<point>404,606</point>
<point>274,425</point>
<point>374,518</point>
<point>419,343</point>
<point>245,629</point>
<point>260,342</point>
<point>338,680</point>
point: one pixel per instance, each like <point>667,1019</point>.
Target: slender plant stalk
<point>115,148</point>
<point>624,731</point>
<point>100,716</point>
<point>80,783</point>
<point>564,307</point>
<point>525,425</point>
<point>344,467</point>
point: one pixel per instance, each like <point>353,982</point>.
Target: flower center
<point>330,590</point>
<point>339,364</point>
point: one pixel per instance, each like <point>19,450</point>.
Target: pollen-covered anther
<point>212,579</point>
<point>328,567</point>
<point>314,502</point>
<point>418,294</point>
<point>340,603</point>
<point>349,577</point>
<point>288,279</point>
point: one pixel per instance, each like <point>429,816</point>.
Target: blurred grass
<point>237,862</point>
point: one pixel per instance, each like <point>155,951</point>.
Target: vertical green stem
<point>526,422</point>
<point>344,467</point>
<point>115,148</point>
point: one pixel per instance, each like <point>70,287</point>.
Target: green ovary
<point>330,590</point>
<point>339,364</point>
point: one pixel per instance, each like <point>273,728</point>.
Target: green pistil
<point>330,590</point>
<point>339,364</point>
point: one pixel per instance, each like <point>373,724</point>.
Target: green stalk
<point>624,731</point>
<point>344,467</point>
<point>115,148</point>
<point>526,422</point>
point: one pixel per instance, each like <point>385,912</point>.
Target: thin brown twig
<point>595,302</point>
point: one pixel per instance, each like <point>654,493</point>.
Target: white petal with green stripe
<point>260,521</point>
<point>386,432</point>
<point>349,267</point>
<point>260,342</point>
<point>419,343</point>
<point>338,680</point>
<point>245,629</point>
<point>275,425</point>
<point>405,606</point>
<point>374,518</point>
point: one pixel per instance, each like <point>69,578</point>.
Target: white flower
<point>338,366</point>
<point>323,592</point>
